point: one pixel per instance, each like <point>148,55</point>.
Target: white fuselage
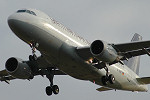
<point>58,45</point>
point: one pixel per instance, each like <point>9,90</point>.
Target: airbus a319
<point>110,65</point>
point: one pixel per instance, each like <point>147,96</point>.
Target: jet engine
<point>104,52</point>
<point>18,68</point>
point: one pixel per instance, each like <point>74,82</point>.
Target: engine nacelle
<point>18,68</point>
<point>104,52</point>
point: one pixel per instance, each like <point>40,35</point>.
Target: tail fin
<point>134,63</point>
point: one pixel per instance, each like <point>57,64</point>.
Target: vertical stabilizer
<point>134,63</point>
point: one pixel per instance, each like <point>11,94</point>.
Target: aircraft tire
<point>30,58</point>
<point>48,90</point>
<point>34,57</point>
<point>104,80</point>
<point>55,89</point>
<point>111,79</point>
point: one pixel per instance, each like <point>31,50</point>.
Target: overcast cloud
<point>114,21</point>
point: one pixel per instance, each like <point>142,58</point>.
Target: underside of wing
<point>132,46</point>
<point>3,73</point>
<point>133,49</point>
<point>84,52</point>
<point>27,69</point>
<point>4,76</point>
<point>113,53</point>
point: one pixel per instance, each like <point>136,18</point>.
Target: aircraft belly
<point>55,50</point>
<point>59,52</point>
<point>74,66</point>
<point>124,81</point>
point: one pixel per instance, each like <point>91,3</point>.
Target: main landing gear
<point>52,88</point>
<point>105,79</point>
<point>33,57</point>
<point>108,78</point>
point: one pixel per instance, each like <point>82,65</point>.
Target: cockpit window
<point>27,11</point>
<point>33,13</point>
<point>21,11</point>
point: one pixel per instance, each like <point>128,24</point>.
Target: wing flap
<point>143,80</point>
<point>130,54</point>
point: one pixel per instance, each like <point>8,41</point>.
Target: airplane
<point>111,66</point>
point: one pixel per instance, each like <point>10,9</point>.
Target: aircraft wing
<point>41,63</point>
<point>143,80</point>
<point>4,76</point>
<point>133,49</point>
<point>3,73</point>
<point>132,46</point>
<point>127,50</point>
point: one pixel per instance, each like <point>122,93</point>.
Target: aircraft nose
<point>11,21</point>
<point>20,26</point>
<point>16,24</point>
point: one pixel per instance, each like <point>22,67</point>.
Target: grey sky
<point>114,21</point>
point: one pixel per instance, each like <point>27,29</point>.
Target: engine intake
<point>104,51</point>
<point>11,64</point>
<point>18,68</point>
<point>97,47</point>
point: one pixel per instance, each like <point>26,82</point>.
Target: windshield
<point>26,11</point>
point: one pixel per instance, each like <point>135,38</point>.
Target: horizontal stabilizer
<point>101,89</point>
<point>143,80</point>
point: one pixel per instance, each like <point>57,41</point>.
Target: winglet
<point>101,89</point>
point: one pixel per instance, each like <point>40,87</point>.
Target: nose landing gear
<point>33,57</point>
<point>49,72</point>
